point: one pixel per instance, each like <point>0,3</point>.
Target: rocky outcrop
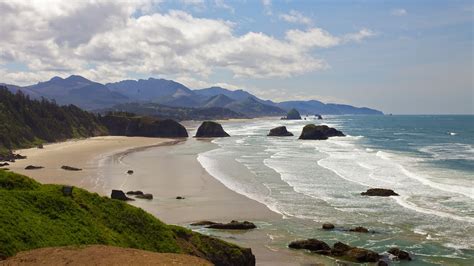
<point>147,196</point>
<point>11,157</point>
<point>338,250</point>
<point>359,229</point>
<point>328,226</point>
<point>210,129</point>
<point>119,195</point>
<point>33,167</point>
<point>279,132</point>
<point>233,225</point>
<point>320,132</point>
<point>135,193</point>
<point>120,124</point>
<point>203,223</point>
<point>293,114</point>
<point>70,168</point>
<point>399,254</point>
<point>379,192</point>
<point>310,244</point>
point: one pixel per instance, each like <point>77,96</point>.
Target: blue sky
<point>402,57</point>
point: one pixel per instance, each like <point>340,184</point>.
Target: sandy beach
<point>172,170</point>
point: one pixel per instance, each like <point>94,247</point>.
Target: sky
<point>401,57</point>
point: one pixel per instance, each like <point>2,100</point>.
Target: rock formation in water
<point>319,132</point>
<point>293,114</point>
<point>210,129</point>
<point>119,195</point>
<point>280,132</point>
<point>233,225</point>
<point>33,167</point>
<point>70,168</point>
<point>380,192</point>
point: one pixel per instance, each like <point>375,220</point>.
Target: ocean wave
<point>450,151</point>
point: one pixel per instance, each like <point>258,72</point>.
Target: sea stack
<point>210,129</point>
<point>280,132</point>
<point>293,114</point>
<point>320,132</point>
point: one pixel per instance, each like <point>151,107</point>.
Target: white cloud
<point>296,17</point>
<point>267,7</point>
<point>399,12</point>
<point>59,38</point>
<point>222,4</point>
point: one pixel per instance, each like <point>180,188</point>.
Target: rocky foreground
<point>319,132</point>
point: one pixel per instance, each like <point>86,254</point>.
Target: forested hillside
<point>25,122</point>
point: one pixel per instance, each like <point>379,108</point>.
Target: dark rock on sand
<point>4,164</point>
<point>310,244</point>
<point>233,225</point>
<point>119,195</point>
<point>11,157</point>
<point>145,196</point>
<point>339,249</point>
<point>280,132</point>
<point>400,254</point>
<point>40,146</point>
<point>293,114</point>
<point>359,229</point>
<point>328,226</point>
<point>138,192</point>
<point>179,197</point>
<point>70,168</point>
<point>203,223</point>
<point>320,132</point>
<point>130,172</point>
<point>210,129</point>
<point>33,167</point>
<point>380,192</point>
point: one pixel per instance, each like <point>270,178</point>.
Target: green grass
<point>34,216</point>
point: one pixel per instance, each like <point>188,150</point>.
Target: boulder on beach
<point>4,164</point>
<point>328,226</point>
<point>135,193</point>
<point>11,157</point>
<point>279,132</point>
<point>319,132</point>
<point>379,192</point>
<point>293,114</point>
<point>180,197</point>
<point>311,244</point>
<point>359,229</point>
<point>147,196</point>
<point>210,129</point>
<point>119,195</point>
<point>33,167</point>
<point>70,168</point>
<point>233,225</point>
<point>362,255</point>
<point>130,172</point>
<point>399,254</point>
<point>203,223</point>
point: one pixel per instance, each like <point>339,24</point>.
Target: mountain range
<point>160,94</point>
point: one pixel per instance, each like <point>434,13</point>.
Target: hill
<point>218,101</point>
<point>36,216</point>
<point>316,107</point>
<point>254,108</point>
<point>25,122</point>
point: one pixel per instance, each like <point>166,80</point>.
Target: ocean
<point>427,159</point>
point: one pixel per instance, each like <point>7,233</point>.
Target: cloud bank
<point>108,40</point>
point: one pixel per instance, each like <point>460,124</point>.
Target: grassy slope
<point>34,216</point>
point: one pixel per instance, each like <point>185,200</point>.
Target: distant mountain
<point>75,90</point>
<point>176,113</point>
<point>91,95</point>
<point>218,101</point>
<point>317,107</point>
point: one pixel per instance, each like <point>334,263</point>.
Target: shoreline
<point>104,161</point>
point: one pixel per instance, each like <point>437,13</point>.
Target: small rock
<point>145,196</point>
<point>33,167</point>
<point>203,223</point>
<point>138,192</point>
<point>339,249</point>
<point>319,132</point>
<point>70,168</point>
<point>179,197</point>
<point>362,255</point>
<point>279,132</point>
<point>119,195</point>
<point>40,146</point>
<point>233,225</point>
<point>359,229</point>
<point>130,172</point>
<point>379,192</point>
<point>328,226</point>
<point>4,164</point>
<point>400,254</point>
<point>309,244</point>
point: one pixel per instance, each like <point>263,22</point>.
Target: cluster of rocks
<point>140,195</point>
<point>70,168</point>
<point>340,249</point>
<point>233,225</point>
<point>358,229</point>
<point>119,195</point>
<point>311,131</point>
<point>11,157</point>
